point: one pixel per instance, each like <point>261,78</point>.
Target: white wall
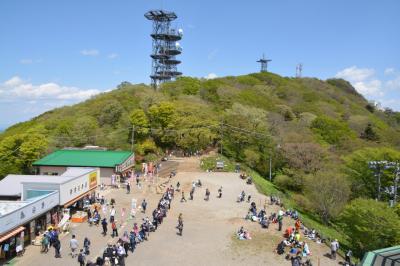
<point>52,169</point>
<point>78,186</point>
<point>30,211</point>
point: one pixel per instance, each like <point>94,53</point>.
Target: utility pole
<point>222,135</point>
<point>270,168</point>
<point>132,137</point>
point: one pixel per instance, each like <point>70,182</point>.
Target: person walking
<point>128,187</point>
<point>207,197</point>
<point>57,247</point>
<point>86,246</point>
<point>220,192</point>
<point>132,241</point>
<point>191,193</point>
<point>45,243</point>
<point>280,218</point>
<point>180,224</point>
<point>81,258</point>
<point>114,229</point>
<point>183,199</point>
<point>334,248</point>
<point>112,214</point>
<point>73,244</point>
<point>347,259</point>
<point>178,185</point>
<point>144,205</point>
<point>104,225</point>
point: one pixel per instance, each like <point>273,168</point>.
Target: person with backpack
<point>144,205</point>
<point>104,226</point>
<point>81,258</point>
<point>132,241</point>
<point>45,243</point>
<point>334,248</point>
<point>180,224</point>
<point>57,247</point>
<point>86,246</point>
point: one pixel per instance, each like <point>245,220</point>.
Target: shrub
<point>330,130</point>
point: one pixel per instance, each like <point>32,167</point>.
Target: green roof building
<point>109,162</point>
<point>382,257</point>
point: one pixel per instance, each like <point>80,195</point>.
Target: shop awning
<point>11,233</point>
<point>69,203</point>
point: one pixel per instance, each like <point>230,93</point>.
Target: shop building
<point>109,162</point>
<point>42,199</point>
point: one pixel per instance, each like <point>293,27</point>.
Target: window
<point>70,191</point>
<point>75,189</point>
<point>85,184</point>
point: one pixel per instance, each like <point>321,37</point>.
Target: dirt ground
<point>209,227</point>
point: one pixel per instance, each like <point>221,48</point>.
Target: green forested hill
<point>320,134</point>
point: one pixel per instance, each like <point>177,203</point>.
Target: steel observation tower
<point>165,47</point>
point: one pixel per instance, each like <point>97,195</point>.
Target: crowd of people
<point>293,246</point>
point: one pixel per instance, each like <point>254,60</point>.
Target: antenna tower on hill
<point>299,69</point>
<point>165,47</point>
<point>264,63</point>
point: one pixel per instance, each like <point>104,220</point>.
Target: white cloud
<point>90,52</point>
<point>26,61</point>
<point>211,76</point>
<point>14,81</point>
<point>17,89</point>
<point>112,56</point>
<point>389,71</point>
<point>363,80</point>
<point>394,84</point>
<point>355,74</point>
<point>369,88</point>
<point>384,89</point>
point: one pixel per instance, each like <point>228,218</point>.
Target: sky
<point>55,53</point>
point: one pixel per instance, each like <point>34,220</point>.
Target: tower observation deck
<point>264,63</point>
<point>165,47</point>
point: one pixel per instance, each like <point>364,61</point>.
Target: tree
<point>307,157</point>
<point>18,152</point>
<point>369,133</point>
<point>370,225</point>
<point>139,119</point>
<point>370,107</point>
<point>163,115</point>
<point>363,181</point>
<point>328,193</point>
<point>110,114</point>
<point>84,131</point>
<point>330,130</point>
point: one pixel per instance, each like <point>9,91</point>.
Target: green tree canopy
<point>330,130</point>
<point>370,225</point>
<point>139,119</point>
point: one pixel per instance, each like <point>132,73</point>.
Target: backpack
<point>80,258</point>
